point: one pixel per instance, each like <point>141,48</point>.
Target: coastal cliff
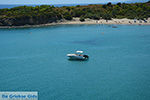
<point>28,15</point>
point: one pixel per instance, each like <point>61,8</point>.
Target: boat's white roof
<point>71,55</point>
<point>79,51</point>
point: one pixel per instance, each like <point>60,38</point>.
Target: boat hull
<point>76,57</point>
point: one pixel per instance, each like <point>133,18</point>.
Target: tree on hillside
<point>104,6</point>
<point>106,16</point>
<point>67,16</point>
<point>109,4</point>
<point>119,4</point>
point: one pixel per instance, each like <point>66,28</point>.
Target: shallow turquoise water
<point>34,59</point>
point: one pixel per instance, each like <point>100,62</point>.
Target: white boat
<point>77,56</point>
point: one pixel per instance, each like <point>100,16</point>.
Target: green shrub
<point>68,17</point>
<point>82,19</point>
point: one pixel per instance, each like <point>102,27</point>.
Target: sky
<point>64,1</point>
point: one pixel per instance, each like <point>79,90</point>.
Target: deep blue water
<point>34,59</point>
<point>60,5</point>
<point>16,5</point>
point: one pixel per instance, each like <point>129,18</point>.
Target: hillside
<point>28,15</point>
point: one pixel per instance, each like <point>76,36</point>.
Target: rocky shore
<point>89,21</point>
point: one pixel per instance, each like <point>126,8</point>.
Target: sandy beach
<point>113,21</point>
<point>124,21</point>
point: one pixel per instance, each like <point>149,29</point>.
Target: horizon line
<point>72,3</point>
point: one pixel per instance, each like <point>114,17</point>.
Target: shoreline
<point>87,21</point>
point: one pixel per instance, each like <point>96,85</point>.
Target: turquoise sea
<point>34,59</point>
